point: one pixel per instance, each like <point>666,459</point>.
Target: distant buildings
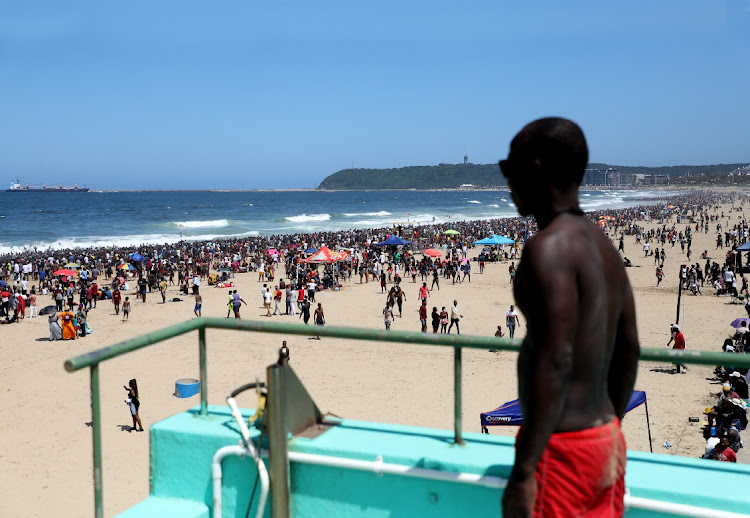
<point>615,178</point>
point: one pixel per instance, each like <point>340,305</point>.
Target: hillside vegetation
<point>452,176</point>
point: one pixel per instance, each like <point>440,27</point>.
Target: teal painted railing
<point>457,342</point>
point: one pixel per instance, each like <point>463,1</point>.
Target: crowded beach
<point>58,303</point>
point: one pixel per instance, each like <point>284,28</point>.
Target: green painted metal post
<point>96,427</point>
<point>457,436</point>
<point>278,448</point>
<point>204,384</point>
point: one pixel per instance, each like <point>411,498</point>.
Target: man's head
<point>551,150</point>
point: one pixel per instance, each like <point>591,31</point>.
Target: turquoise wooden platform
<point>182,447</point>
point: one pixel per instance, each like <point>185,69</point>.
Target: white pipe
<point>240,451</point>
<point>379,467</point>
<point>649,504</point>
<point>241,423</point>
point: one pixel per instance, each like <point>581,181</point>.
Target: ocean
<point>101,219</point>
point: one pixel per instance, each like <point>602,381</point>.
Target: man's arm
<point>624,365</point>
<point>550,292</point>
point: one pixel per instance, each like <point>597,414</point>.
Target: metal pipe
<point>216,474</point>
<point>379,467</point>
<point>202,360</point>
<point>120,348</point>
<point>472,342</point>
<point>457,436</point>
<point>96,429</point>
<point>277,442</point>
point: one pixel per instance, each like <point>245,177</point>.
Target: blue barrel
<point>186,387</point>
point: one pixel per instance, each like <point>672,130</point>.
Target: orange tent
<point>326,256</point>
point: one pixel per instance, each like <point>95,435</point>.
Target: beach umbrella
<point>64,271</point>
<point>272,251</point>
<point>126,267</point>
<point>224,269</point>
<point>433,253</point>
<point>737,323</point>
<point>311,250</point>
<point>137,257</point>
<point>48,310</point>
<point>451,232</point>
<point>72,265</point>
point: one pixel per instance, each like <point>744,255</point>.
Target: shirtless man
<point>578,362</point>
<point>198,305</point>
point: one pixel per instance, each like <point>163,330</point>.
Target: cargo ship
<point>17,187</point>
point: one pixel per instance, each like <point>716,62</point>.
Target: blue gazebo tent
<point>509,414</point>
<point>494,239</point>
<point>394,240</point>
<point>744,248</point>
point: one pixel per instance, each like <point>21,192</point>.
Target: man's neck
<point>561,202</point>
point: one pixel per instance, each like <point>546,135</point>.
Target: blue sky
<point>280,95</point>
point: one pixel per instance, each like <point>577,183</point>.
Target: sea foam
<point>379,213</point>
<point>214,223</point>
<point>302,218</point>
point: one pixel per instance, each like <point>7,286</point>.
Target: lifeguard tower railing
<point>457,342</point>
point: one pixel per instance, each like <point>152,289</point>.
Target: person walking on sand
<point>116,297</point>
<point>198,304</point>
<point>423,315</point>
<point>454,318</point>
<point>126,309</point>
<point>388,316</point>
<point>320,319</point>
<point>424,292</point>
<point>679,345</point>
<point>305,311</point>
<point>511,320</point>
<point>435,316</point>
<point>578,362</point>
<point>443,321</point>
<point>237,303</point>
<point>133,402</point>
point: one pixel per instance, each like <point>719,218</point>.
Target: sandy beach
<point>46,450</point>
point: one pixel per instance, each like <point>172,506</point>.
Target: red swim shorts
<point>582,473</point>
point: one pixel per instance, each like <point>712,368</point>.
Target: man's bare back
<point>572,288</point>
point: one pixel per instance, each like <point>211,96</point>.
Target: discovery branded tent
<point>509,414</point>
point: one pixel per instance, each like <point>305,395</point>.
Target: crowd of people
<point>33,277</point>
